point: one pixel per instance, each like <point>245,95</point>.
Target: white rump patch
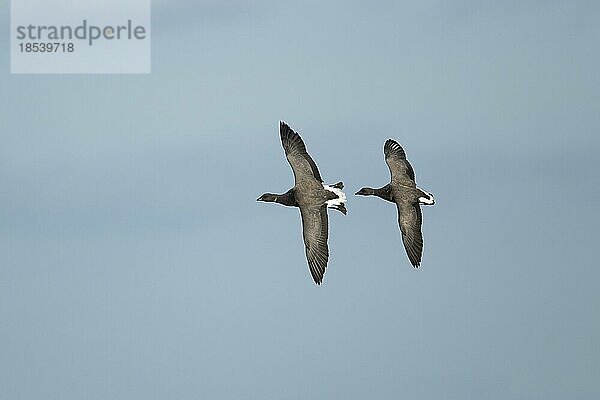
<point>341,196</point>
<point>426,200</point>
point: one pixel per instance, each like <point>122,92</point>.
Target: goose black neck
<point>384,192</point>
<point>286,199</point>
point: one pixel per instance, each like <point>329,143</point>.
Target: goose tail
<point>337,203</point>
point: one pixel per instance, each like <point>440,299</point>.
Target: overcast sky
<point>135,262</point>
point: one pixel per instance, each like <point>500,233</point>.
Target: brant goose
<point>403,191</point>
<point>312,197</point>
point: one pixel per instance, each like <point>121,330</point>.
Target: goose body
<point>408,198</point>
<point>312,197</point>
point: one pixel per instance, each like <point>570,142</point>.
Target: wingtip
<point>392,146</point>
<point>285,129</point>
<point>392,143</point>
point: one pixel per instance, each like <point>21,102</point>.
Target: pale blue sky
<point>135,262</point>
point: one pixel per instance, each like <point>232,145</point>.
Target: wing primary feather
<point>315,231</point>
<point>295,150</point>
<point>400,169</point>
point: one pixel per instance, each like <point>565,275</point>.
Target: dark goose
<point>403,191</point>
<point>312,197</point>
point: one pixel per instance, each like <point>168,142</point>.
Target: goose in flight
<point>403,191</point>
<point>312,197</point>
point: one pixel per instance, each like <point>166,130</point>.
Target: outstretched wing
<point>302,164</point>
<point>410,220</point>
<point>315,230</point>
<point>401,170</point>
